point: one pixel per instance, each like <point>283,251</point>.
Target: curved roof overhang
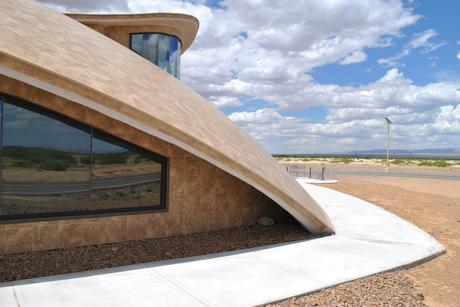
<point>185,27</point>
<point>53,52</point>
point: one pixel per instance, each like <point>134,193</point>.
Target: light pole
<point>388,122</point>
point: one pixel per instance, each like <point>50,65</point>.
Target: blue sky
<point>313,76</point>
<point>439,15</point>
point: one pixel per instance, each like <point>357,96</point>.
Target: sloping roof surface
<point>51,47</point>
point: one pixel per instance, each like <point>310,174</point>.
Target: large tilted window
<point>53,166</point>
<point>160,49</point>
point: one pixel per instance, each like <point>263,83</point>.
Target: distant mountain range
<point>405,152</point>
<point>416,153</point>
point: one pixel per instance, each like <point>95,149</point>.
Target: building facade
<point>101,143</point>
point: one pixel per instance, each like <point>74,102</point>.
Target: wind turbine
<point>388,122</point>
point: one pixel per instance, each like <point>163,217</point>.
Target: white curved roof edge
<point>141,126</point>
<point>185,25</point>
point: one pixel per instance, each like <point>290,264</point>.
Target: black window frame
<point>162,160</point>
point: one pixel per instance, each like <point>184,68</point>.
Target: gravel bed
<point>77,259</point>
<point>385,289</point>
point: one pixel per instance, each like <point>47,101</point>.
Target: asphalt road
<point>341,171</point>
<point>54,188</point>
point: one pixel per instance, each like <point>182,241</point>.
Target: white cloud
<point>422,114</point>
<point>448,119</point>
<point>458,55</point>
<point>260,116</point>
<point>355,57</point>
<point>419,40</point>
<point>80,6</point>
<point>225,101</point>
<point>393,89</point>
<point>280,133</point>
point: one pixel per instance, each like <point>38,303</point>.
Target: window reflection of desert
<point>76,170</point>
<point>37,182</point>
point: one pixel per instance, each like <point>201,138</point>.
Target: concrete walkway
<point>368,240</point>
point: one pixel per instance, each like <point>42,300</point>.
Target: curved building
<point>101,143</point>
<point>158,37</point>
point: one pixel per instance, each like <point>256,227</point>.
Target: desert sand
<point>432,205</point>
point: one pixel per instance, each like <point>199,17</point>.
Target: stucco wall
<point>201,196</point>
<point>121,34</point>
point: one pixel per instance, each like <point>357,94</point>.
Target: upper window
<point>160,49</point>
<point>54,166</point>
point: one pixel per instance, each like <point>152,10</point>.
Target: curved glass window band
<point>161,49</point>
<point>53,166</point>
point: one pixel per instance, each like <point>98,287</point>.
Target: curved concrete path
<point>369,240</point>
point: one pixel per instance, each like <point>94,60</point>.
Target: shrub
<point>53,165</point>
<point>111,158</point>
<point>437,163</point>
<point>346,160</point>
<point>137,159</point>
<point>85,159</point>
<point>440,163</point>
<point>23,164</point>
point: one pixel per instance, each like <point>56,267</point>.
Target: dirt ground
<point>432,205</point>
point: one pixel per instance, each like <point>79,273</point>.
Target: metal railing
<point>304,171</point>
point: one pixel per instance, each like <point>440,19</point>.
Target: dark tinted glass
<point>45,162</point>
<point>161,49</point>
<point>123,176</point>
<point>51,165</point>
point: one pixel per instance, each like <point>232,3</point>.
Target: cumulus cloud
<point>354,57</point>
<point>83,6</point>
<point>225,101</point>
<point>289,134</point>
<point>355,116</point>
<point>448,119</point>
<point>260,116</point>
<point>458,55</point>
<point>390,90</point>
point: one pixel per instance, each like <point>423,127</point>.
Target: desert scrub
<point>346,160</point>
<point>399,161</point>
<point>437,163</point>
<point>440,163</point>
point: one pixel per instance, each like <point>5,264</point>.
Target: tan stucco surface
<point>54,48</point>
<point>185,27</point>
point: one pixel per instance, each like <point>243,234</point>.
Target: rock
<point>265,221</point>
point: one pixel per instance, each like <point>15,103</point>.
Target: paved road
<point>53,188</point>
<point>338,171</point>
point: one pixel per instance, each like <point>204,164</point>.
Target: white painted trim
<point>151,131</point>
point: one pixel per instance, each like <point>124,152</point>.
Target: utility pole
<point>388,122</point>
